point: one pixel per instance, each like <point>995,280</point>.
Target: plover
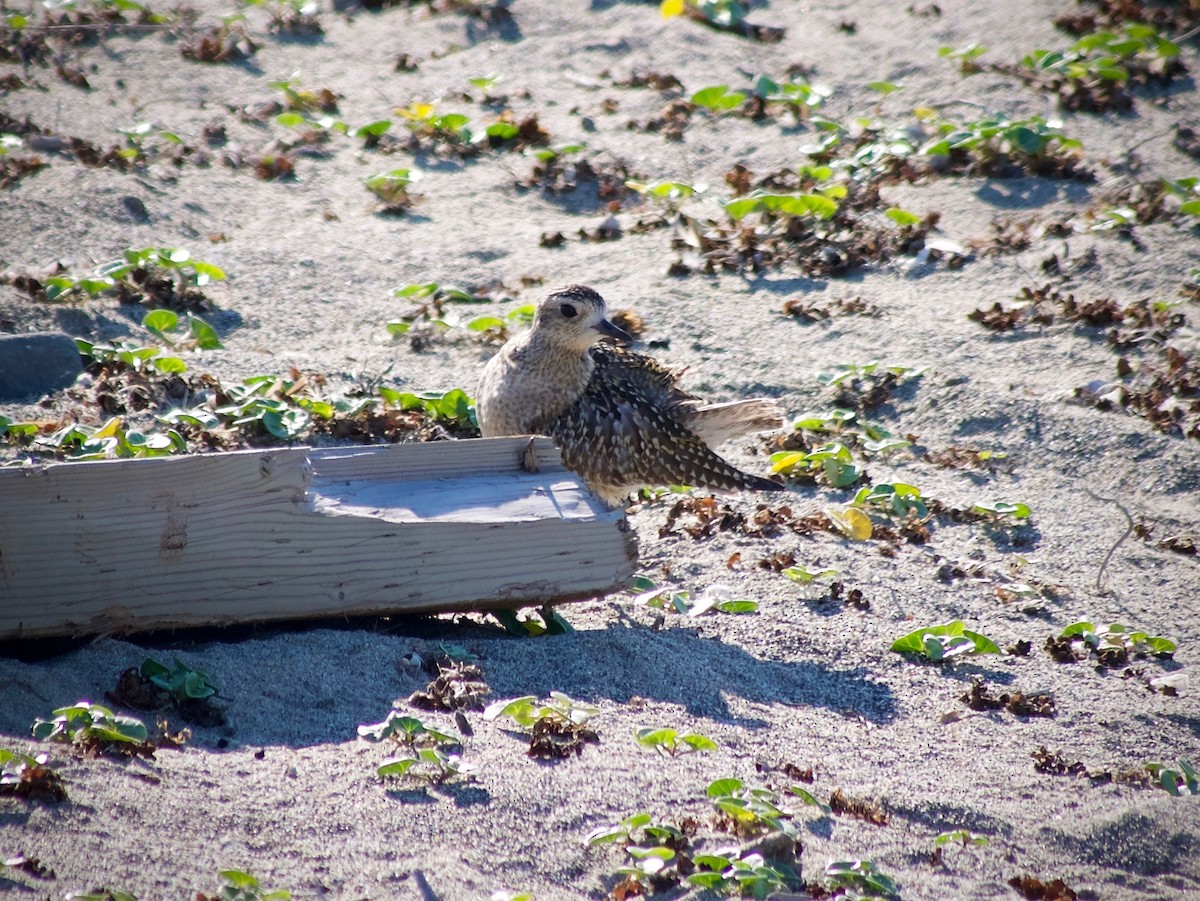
<point>619,418</point>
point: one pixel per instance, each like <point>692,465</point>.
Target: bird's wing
<point>643,374</point>
<point>627,429</point>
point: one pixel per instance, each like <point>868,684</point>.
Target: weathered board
<point>250,536</point>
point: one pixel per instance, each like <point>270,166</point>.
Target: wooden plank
<point>294,533</point>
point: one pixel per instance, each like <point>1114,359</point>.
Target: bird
<point>619,418</point>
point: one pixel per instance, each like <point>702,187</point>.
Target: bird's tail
<point>717,423</point>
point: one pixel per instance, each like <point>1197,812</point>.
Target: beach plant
<point>394,187</point>
<point>132,271</point>
<point>1031,141</point>
<point>801,573</point>
<point>667,194</point>
<point>652,848</point>
<point>300,99</point>
<point>422,751</point>
<point>89,726</point>
<point>944,642</point>
<point>821,204</point>
<point>237,885</point>
<point>432,764</point>
<point>404,730</point>
<point>671,743</point>
<point>138,139</point>
<point>749,874</point>
<point>109,440</point>
<point>558,727</point>
<point>488,324</point>
<point>637,829</point>
<point>1176,780</point>
<point>722,15</point>
<point>29,777</point>
<point>835,464</point>
<point>487,84</point>
<point>752,810</point>
<point>270,402</point>
<point>845,372</point>
<point>833,421</point>
<point>527,711</point>
<point>998,509</point>
<point>284,408</point>
<point>435,292</point>
<point>17,431</point>
<point>893,499</point>
<point>372,131</point>
<point>137,357</point>
<point>181,682</point>
<point>859,878</point>
<point>188,331</point>
<point>1106,55</point>
<point>1115,636</point>
<point>964,837</point>
<point>532,623</point>
<point>717,98</point>
<point>798,96</point>
<point>1187,190</point>
<point>424,120</point>
<point>965,56</point>
<point>720,598</point>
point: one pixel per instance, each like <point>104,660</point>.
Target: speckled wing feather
<point>627,429</point>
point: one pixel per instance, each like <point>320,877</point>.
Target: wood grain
<point>294,533</point>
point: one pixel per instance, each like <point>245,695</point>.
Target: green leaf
<point>206,272</point>
<point>699,743</point>
<point>737,606</point>
<point>902,218</point>
<point>485,323</point>
<point>927,641</point>
<point>416,291</point>
<point>238,879</point>
<point>518,708</point>
<point>396,766</point>
<point>203,333</point>
<point>1162,647</point>
<point>1001,508</point>
<point>605,835</point>
<point>802,573</point>
<point>160,321</point>
<point>713,880</point>
<point>376,128</point>
<point>1080,628</point>
<point>168,365</point>
<point>884,87</point>
<point>502,131</point>
<point>1027,140</point>
<point>717,97</point>
<point>724,787</point>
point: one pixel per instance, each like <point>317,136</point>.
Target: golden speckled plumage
<point>619,418</point>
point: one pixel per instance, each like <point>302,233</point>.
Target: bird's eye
<point>567,310</point>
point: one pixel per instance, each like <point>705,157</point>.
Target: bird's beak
<point>604,327</point>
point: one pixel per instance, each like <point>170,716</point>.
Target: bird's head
<point>575,317</point>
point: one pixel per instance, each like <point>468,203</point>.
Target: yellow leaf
<point>416,112</point>
<point>787,462</point>
<point>110,429</point>
<point>924,112</point>
<point>671,8</point>
<point>853,523</point>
